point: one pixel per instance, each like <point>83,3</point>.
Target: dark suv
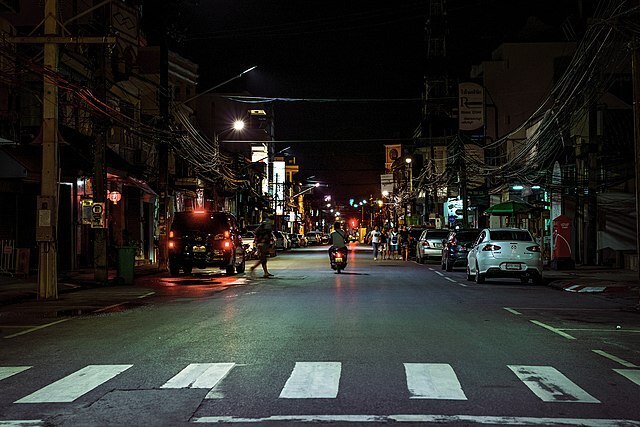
<point>205,239</point>
<point>455,248</point>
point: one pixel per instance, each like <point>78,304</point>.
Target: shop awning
<point>510,208</point>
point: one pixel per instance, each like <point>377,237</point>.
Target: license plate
<point>338,259</point>
<point>199,249</point>
<point>513,266</point>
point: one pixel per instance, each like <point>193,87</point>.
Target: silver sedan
<point>505,252</point>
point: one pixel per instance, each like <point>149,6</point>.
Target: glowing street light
<point>238,125</point>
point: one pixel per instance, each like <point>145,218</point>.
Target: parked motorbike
<point>338,258</point>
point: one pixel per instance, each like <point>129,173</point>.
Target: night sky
<point>342,50</point>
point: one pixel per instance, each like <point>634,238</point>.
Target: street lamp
<point>408,160</point>
<point>238,125</point>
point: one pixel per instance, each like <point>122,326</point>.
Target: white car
<point>314,238</point>
<point>505,252</point>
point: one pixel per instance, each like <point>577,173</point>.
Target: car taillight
<point>425,244</point>
<point>171,234</point>
<point>454,242</point>
<point>172,244</point>
<point>490,247</point>
<point>535,248</point>
<point>226,234</point>
<point>227,244</point>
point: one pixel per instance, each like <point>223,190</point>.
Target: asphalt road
<point>385,341</point>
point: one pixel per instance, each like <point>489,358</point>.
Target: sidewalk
<point>14,290</point>
<point>593,279</point>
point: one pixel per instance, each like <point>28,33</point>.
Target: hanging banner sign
<point>470,106</point>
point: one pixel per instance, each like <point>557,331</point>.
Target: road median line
<point>552,329</point>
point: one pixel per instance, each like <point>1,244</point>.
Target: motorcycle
<point>338,258</point>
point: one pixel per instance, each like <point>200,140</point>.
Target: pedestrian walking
<point>263,242</point>
<point>382,250</point>
<point>374,239</point>
<point>404,243</point>
<point>394,238</point>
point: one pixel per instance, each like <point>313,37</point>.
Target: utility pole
<point>48,202</point>
<point>47,214</point>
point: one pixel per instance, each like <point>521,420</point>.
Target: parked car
<point>429,244</point>
<point>302,240</point>
<point>287,240</point>
<point>505,252</point>
<point>282,242</point>
<point>314,237</point>
<point>455,248</point>
<point>205,239</point>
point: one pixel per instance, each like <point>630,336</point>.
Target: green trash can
<point>126,262</point>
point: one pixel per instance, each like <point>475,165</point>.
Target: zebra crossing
<point>316,380</point>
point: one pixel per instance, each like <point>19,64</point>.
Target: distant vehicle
<point>314,237</point>
<point>205,239</point>
<point>505,252</point>
<point>325,239</point>
<point>302,241</point>
<point>455,248</point>
<point>288,241</point>
<point>282,243</point>
<point>429,244</point>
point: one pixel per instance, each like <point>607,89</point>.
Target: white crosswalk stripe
<point>9,371</point>
<point>433,381</point>
<point>75,385</point>
<point>313,380</point>
<point>551,385</point>
<point>201,375</point>
<point>631,374</point>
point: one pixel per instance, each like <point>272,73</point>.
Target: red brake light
<point>199,212</point>
<point>171,234</point>
<point>171,244</point>
<point>535,248</point>
<point>227,244</point>
<point>490,247</point>
<point>226,234</point>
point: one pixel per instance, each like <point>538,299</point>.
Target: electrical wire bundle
<point>601,54</point>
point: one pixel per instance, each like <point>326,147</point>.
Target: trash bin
<point>126,261</point>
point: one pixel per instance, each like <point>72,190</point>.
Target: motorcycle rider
<point>337,238</point>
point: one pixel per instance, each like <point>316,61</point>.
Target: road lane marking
<point>37,328</point>
<point>630,374</point>
<point>313,380</point>
<point>618,331</point>
<point>433,381</point>
<point>615,359</point>
<point>462,284</point>
<point>201,375</point>
<point>512,311</point>
<point>75,385</point>
<point>439,274</point>
<point>9,371</point>
<point>451,280</point>
<point>21,423</point>
<point>550,385</point>
<point>425,418</point>
<point>552,329</point>
<point>146,295</point>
